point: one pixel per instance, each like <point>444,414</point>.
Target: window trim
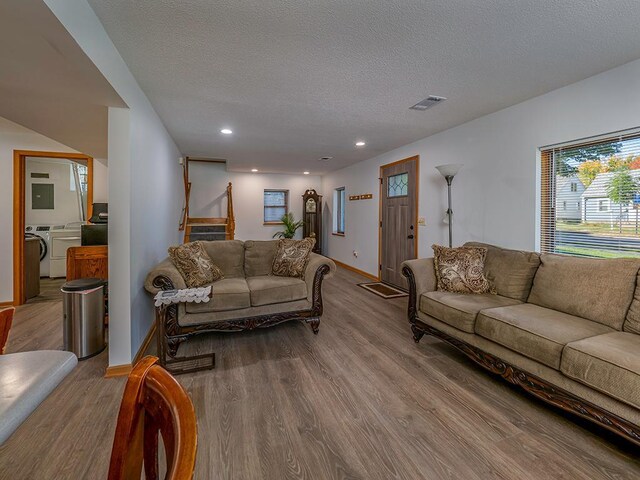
<point>265,207</point>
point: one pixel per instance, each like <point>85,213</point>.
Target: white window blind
<point>276,205</point>
<point>590,197</point>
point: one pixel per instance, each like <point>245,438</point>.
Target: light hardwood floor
<point>359,401</point>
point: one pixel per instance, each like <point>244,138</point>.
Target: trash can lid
<point>83,284</point>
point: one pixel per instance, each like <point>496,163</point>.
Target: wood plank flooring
<point>359,401</point>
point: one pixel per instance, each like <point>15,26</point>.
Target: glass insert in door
<point>398,185</point>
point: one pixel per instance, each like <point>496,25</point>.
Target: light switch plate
<point>422,221</point>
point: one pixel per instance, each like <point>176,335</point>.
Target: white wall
<point>208,196</point>
<point>16,137</point>
<point>65,200</point>
<point>100,181</point>
<point>145,185</point>
<point>495,195</point>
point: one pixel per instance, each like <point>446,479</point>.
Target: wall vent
<point>427,103</point>
<point>325,159</point>
<point>39,175</point>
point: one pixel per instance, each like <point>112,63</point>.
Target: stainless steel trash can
<point>83,316</point>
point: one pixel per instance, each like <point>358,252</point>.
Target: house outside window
<point>339,208</point>
<point>601,178</point>
<point>276,205</point>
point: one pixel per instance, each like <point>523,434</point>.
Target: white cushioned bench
<point>26,379</point>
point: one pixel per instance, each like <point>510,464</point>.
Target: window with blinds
<point>276,205</point>
<point>590,198</point>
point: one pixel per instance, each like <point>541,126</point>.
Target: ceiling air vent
<point>427,103</point>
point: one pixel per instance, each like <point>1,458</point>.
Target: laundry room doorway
<point>52,197</point>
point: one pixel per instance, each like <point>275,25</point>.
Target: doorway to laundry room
<point>53,198</point>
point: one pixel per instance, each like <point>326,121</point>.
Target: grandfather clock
<point>312,216</point>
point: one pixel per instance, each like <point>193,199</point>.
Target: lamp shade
<point>449,170</point>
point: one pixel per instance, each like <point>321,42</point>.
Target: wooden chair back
<point>6,318</point>
<point>153,404</point>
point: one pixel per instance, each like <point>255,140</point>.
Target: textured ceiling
<point>47,83</point>
<point>297,80</point>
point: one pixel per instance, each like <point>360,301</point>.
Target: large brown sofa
<point>248,296</point>
<point>566,329</point>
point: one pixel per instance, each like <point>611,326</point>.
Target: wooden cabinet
<point>32,267</point>
<point>88,262</point>
<point>312,216</point>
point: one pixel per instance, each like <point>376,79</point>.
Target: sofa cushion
<point>228,255</point>
<point>461,270</point>
<point>226,294</point>
<point>194,264</point>
<point>258,257</point>
<point>511,272</point>
<point>596,289</point>
<point>292,256</point>
<point>460,309</point>
<point>269,289</point>
<point>632,322</point>
<point>608,363</point>
<point>535,332</point>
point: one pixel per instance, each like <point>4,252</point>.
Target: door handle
<point>410,237</point>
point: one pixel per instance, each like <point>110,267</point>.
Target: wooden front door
<point>398,218</point>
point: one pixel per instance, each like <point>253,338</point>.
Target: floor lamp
<point>448,172</point>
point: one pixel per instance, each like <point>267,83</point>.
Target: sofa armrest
<point>315,263</point>
<point>421,277</point>
<point>164,276</point>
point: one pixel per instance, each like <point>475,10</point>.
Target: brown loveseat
<point>566,329</point>
<point>248,296</point>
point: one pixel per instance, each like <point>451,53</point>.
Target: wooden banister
<point>187,194</point>
<point>231,220</point>
<point>187,222</point>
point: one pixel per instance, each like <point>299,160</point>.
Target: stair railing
<point>231,221</point>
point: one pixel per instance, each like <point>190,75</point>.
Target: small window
<point>276,205</point>
<point>82,176</point>
<point>339,203</point>
<point>398,185</point>
<point>564,205</point>
<point>578,205</point>
<point>574,187</point>
<point>602,206</point>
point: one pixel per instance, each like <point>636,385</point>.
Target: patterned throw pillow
<point>292,257</point>
<point>194,264</point>
<point>461,270</point>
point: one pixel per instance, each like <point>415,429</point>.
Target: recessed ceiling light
<point>306,173</point>
<point>360,144</point>
<point>254,170</point>
<point>226,131</point>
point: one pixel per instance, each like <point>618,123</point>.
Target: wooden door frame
<point>19,199</point>
<point>416,200</point>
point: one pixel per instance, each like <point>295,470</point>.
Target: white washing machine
<point>43,233</point>
<point>61,237</point>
